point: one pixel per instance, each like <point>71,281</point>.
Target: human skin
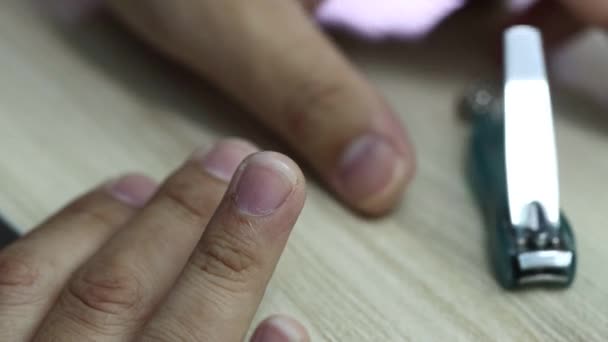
<point>270,56</point>
<point>189,260</point>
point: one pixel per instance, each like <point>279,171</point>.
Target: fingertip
<point>223,159</point>
<point>280,328</point>
<point>556,22</point>
<point>591,12</point>
<point>264,182</point>
<point>389,198</point>
<point>133,189</point>
<point>373,173</point>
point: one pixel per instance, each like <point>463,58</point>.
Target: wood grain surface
<point>82,103</point>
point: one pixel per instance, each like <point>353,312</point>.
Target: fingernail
<point>279,329</point>
<point>224,158</point>
<point>133,190</point>
<point>70,10</point>
<point>264,183</point>
<point>368,166</point>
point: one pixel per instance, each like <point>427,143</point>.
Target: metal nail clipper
<point>513,170</point>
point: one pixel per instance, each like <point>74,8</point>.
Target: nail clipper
<point>514,173</point>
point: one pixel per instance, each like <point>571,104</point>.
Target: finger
<point>113,294</point>
<point>225,278</point>
<point>73,10</point>
<point>34,269</point>
<point>592,12</point>
<point>280,329</point>
<point>555,21</point>
<point>269,55</point>
<point>562,20</point>
<point>70,10</point>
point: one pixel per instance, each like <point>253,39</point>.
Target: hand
<point>561,20</point>
<point>270,56</point>
<point>187,261</point>
<point>592,12</point>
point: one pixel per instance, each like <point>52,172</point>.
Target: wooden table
<point>79,105</point>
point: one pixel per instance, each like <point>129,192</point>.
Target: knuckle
<point>20,279</point>
<point>104,292</point>
<point>91,211</point>
<point>227,258</point>
<point>309,103</point>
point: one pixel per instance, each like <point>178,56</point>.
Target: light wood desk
<point>79,106</point>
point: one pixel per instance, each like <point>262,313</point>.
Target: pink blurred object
<point>386,18</point>
<point>396,18</point>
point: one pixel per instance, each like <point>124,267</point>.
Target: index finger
<point>222,285</point>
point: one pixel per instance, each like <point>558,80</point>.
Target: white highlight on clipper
<point>530,152</point>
